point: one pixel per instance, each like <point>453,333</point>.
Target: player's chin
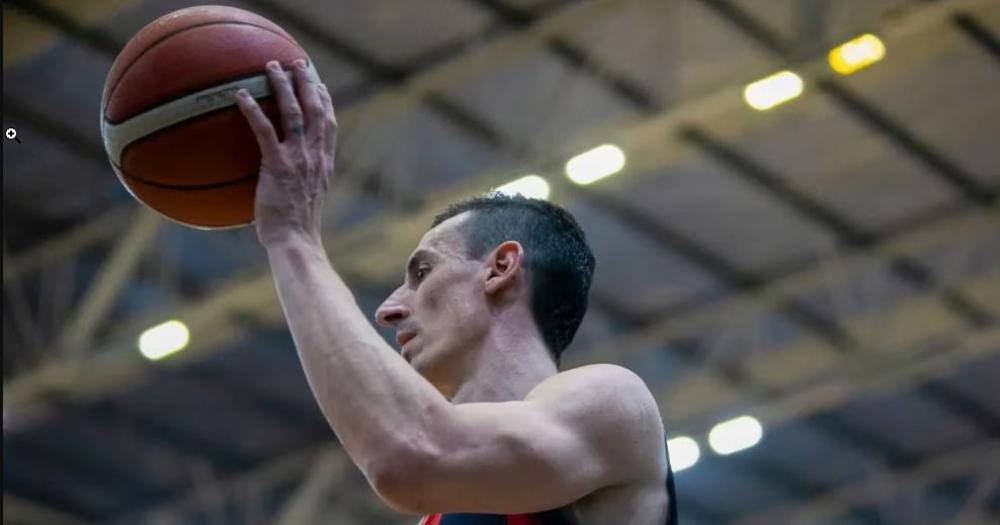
<point>413,352</point>
<point>425,360</point>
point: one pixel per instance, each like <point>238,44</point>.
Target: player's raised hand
<point>295,168</point>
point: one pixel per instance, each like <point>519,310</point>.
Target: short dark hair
<point>558,260</point>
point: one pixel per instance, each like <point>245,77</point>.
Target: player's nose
<point>391,311</point>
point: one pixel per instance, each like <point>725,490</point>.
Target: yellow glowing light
<point>684,453</point>
<point>531,186</point>
<point>856,54</point>
<point>163,340</point>
<point>596,164</point>
<point>771,91</point>
<point>735,435</point>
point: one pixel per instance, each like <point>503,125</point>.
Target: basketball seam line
<point>149,48</point>
<point>187,187</point>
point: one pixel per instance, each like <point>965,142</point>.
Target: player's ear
<point>503,265</point>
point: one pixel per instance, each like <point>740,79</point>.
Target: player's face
<point>440,312</point>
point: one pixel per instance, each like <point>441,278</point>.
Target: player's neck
<point>506,370</point>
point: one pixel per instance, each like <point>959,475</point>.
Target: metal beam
<point>23,113</point>
<point>483,57</point>
<point>69,25</point>
<point>971,224</point>
<point>234,487</point>
<point>979,34</point>
<point>20,511</point>
<point>381,72</point>
<point>948,171</point>
<point>306,420</point>
<point>903,370</point>
<point>312,495</point>
<point>852,436</point>
<point>219,455</point>
<point>627,89</point>
<point>906,269</point>
<point>973,412</point>
<point>978,458</point>
<point>717,266</point>
<point>750,26</point>
<point>114,274</point>
<point>776,185</point>
<point>975,509</point>
<point>69,244</point>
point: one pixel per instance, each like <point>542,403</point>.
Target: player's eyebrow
<point>418,257</point>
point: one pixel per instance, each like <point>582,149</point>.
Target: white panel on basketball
<point>118,136</point>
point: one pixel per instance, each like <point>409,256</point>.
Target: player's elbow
<point>400,479</point>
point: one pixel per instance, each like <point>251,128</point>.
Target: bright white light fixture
<point>164,339</point>
<point>684,453</point>
<point>771,91</point>
<point>735,435</point>
<point>596,164</point>
<point>856,54</point>
<point>531,186</point>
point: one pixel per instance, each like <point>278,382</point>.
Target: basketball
<point>169,122</point>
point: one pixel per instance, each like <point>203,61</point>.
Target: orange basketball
<point>169,119</point>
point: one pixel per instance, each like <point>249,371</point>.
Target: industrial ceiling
<point>830,266</point>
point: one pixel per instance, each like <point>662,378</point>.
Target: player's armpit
<point>580,431</point>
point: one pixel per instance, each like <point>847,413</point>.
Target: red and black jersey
<point>552,517</point>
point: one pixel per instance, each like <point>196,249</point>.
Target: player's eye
<point>421,273</point>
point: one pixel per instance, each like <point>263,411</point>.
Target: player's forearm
<point>369,395</point>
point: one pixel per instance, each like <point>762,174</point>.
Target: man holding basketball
<point>471,423</point>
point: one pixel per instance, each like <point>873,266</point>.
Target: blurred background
<point>812,291</point>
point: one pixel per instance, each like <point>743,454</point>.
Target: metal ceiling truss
<point>638,97</point>
<point>907,269</point>
<point>406,91</point>
<point>982,36</point>
<point>981,462</point>
<point>380,72</point>
<point>352,252</point>
<point>403,81</point>
<point>18,511</point>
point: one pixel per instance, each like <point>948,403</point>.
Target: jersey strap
<point>482,519</point>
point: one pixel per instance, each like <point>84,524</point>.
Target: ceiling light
<point>531,186</point>
<point>735,435</point>
<point>684,453</point>
<point>856,54</point>
<point>776,89</point>
<point>164,339</point>
<point>596,164</point>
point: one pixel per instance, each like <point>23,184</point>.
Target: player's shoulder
<point>606,374</point>
<point>610,404</point>
<point>603,384</point>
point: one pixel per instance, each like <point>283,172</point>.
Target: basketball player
<point>471,422</point>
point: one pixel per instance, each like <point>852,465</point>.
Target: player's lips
<point>403,337</point>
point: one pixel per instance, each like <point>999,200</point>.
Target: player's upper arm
<point>577,432</point>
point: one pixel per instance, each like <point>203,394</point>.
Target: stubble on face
<point>448,308</point>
